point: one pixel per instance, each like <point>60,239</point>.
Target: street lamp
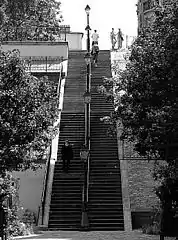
<point>87,97</point>
<point>87,10</point>
<point>88,80</point>
<point>85,150</point>
<point>84,153</point>
<point>87,58</point>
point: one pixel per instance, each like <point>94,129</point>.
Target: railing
<point>45,185</point>
<point>85,190</point>
<point>41,209</point>
<point>43,64</point>
<point>88,164</point>
<point>35,33</point>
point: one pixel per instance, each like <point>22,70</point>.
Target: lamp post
<point>88,80</point>
<point>87,99</point>
<point>84,152</point>
<point>87,10</point>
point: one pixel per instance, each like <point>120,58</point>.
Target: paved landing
<point>114,235</point>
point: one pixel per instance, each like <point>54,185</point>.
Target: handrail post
<point>84,154</point>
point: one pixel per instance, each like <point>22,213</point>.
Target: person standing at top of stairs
<point>67,155</point>
<point>95,37</point>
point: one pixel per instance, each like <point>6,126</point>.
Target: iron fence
<point>43,64</point>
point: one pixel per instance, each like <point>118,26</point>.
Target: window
<point>147,5</point>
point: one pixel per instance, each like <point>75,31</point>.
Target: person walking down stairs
<point>94,53</point>
<point>67,155</point>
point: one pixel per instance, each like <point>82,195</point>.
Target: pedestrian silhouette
<point>94,53</point>
<point>95,37</point>
<point>113,38</point>
<point>120,38</point>
<point>67,155</point>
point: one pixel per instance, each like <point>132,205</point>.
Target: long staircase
<point>105,195</point>
<point>66,199</point>
<point>105,209</point>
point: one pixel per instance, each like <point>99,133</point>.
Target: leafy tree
<point>148,105</point>
<point>31,20</point>
<point>28,109</point>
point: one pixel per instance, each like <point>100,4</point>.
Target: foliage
<point>28,109</point>
<point>148,105</point>
<point>22,226</point>
<point>10,201</point>
<point>28,217</point>
<point>151,229</point>
<point>154,227</point>
<point>18,228</point>
<point>23,19</point>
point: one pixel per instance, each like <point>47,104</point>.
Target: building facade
<point>146,12</point>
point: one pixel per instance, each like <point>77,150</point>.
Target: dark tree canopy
<point>149,106</point>
<point>28,109</point>
<point>24,19</point>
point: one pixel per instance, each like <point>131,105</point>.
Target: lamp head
<point>87,9</point>
<point>84,152</point>
<point>87,97</point>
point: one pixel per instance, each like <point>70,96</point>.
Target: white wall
<point>54,49</point>
<point>31,186</point>
<point>30,182</point>
<point>74,40</point>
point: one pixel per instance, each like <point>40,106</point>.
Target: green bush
<point>152,229</point>
<point>18,228</point>
<point>29,217</point>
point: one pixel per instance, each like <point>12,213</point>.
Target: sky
<point>115,13</point>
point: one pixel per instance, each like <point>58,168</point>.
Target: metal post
<point>88,35</point>
<point>88,82</point>
<point>87,108</point>
<point>84,222</point>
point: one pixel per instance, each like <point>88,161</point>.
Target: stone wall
<point>140,180</point>
<point>141,185</point>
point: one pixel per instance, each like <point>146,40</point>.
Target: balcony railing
<point>43,64</point>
